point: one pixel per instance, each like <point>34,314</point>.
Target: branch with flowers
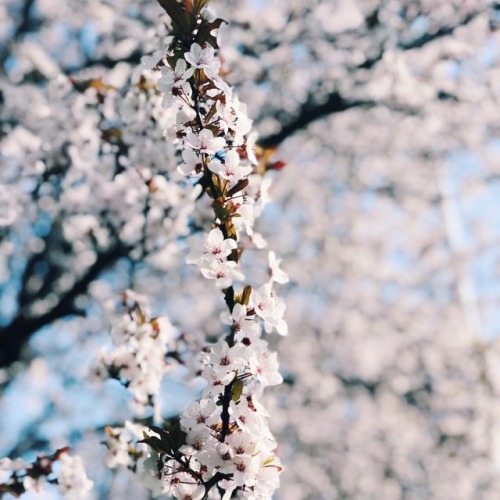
<point>228,443</point>
<point>221,445</point>
<point>21,477</point>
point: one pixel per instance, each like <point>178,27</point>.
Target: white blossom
<point>230,168</point>
<point>73,482</point>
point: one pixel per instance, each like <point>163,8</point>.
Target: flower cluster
<point>223,440</point>
<point>72,480</point>
<point>139,359</point>
<point>227,441</point>
<point>22,477</point>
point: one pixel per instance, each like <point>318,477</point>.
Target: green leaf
<point>157,444</point>
<point>231,231</point>
<point>237,390</point>
<point>176,435</point>
<point>211,113</point>
<point>174,10</point>
<point>221,211</point>
<point>156,429</point>
<point>170,440</point>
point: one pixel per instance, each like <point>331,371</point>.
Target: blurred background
<point>386,214</point>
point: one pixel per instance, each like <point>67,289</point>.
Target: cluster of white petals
<point>227,438</point>
<point>125,450</point>
<point>73,481</point>
<point>174,134</point>
<point>17,476</point>
<point>138,359</point>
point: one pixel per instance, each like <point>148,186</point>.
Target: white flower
<point>133,107</point>
<point>203,59</point>
<point>224,272</point>
<point>270,309</point>
<point>226,115</point>
<point>201,413</point>
<point>242,443</point>
<point>246,329</point>
<point>35,484</point>
<point>198,439</point>
<point>246,469</point>
<point>139,357</point>
<point>225,360</point>
<point>149,62</point>
<point>184,115</point>
<point>243,122</point>
<point>246,417</point>
<point>230,169</point>
<point>192,162</point>
<point>215,385</point>
<point>250,148</point>
<point>217,247</point>
<point>6,464</point>
<point>246,222</point>
<point>275,273</point>
<point>117,454</point>
<point>191,490</point>
<point>205,142</point>
<point>265,368</point>
<point>220,83</point>
<point>267,480</point>
<point>73,482</point>
<point>208,14</point>
<point>176,78</point>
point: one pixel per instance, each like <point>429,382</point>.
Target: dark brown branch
<point>439,33</point>
<point>26,25</point>
<point>310,112</point>
<point>335,103</point>
<point>106,62</point>
<point>16,335</point>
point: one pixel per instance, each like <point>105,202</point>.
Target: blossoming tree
<point>113,174</point>
<point>222,441</point>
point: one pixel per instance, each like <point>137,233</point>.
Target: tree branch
<point>17,334</point>
<point>335,103</point>
<point>25,25</point>
<point>311,112</point>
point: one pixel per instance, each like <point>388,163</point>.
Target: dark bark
<point>16,335</point>
<point>311,111</point>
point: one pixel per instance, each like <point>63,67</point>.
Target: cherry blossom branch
<point>223,440</point>
<point>72,480</point>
